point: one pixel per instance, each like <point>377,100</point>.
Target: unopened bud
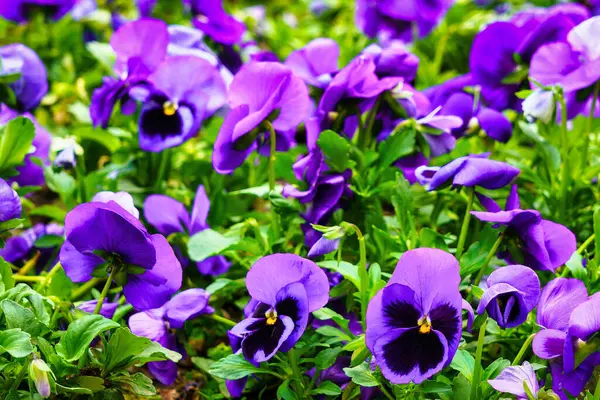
<point>39,373</point>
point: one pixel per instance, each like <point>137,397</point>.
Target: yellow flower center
<point>271,316</point>
<point>424,324</point>
<point>170,108</point>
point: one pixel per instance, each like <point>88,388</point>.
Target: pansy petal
<point>265,340</point>
<point>512,380</point>
<point>558,299</point>
<point>293,302</point>
<point>271,273</point>
<point>585,320</point>
<point>186,305</point>
<point>166,214</point>
<point>200,210</point>
<point>549,343</point>
<point>148,324</point>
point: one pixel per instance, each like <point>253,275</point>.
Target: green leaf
<point>347,270</point>
<point>461,388</point>
<point>430,238</point>
<point>464,363</point>
<point>93,383</point>
<point>575,265</point>
<point>434,387</point>
<point>137,383</point>
<point>56,213</point>
<point>74,343</point>
<point>326,358</point>
<point>362,375</point>
<point>336,150</point>
<point>473,258</point>
<point>491,372</point>
<point>102,52</point>
<point>20,317</point>
<point>325,313</point>
<point>477,291</point>
<point>397,146</point>
<point>208,243</point>
<point>7,281</point>
<point>523,94</point>
<point>49,241</point>
<point>155,352</point>
<point>261,191</point>
<point>122,347</point>
<point>330,331</point>
<point>61,183</point>
<point>11,224</point>
<point>328,388</point>
<point>15,142</point>
<point>233,367</point>
<point>285,393</point>
<point>15,342</point>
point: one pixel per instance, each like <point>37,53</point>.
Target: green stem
<point>365,133</point>
<point>488,258</point>
<point>597,391</point>
<point>585,244</point>
<point>272,158</point>
<point>588,131</point>
<point>385,392</point>
<point>523,349</point>
<point>295,371</point>
<point>363,275</point>
<point>105,290</point>
<point>464,230</point>
<point>566,170</point>
<point>86,287</point>
<point>57,268</point>
<point>223,320</point>
<point>165,157</point>
<point>477,370</point>
<point>29,265</point>
<point>28,278</point>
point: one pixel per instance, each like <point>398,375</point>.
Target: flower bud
<point>39,373</point>
<point>539,105</point>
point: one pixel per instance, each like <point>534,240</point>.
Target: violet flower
<point>140,46</point>
<point>30,173</point>
<point>545,245</point>
<point>469,171</point>
<point>170,216</point>
<point>260,91</point>
<point>394,60</point>
<point>288,288</point>
<point>394,19</point>
<point>104,236</point>
<point>19,248</point>
<point>573,64</point>
<point>512,292</point>
<point>123,199</point>
<point>10,203</point>
<point>211,18</point>
<point>512,380</point>
<point>414,323</point>
<point>184,91</point>
<point>316,63</point>
<point>569,319</point>
<point>158,324</point>
<point>21,10</point>
<point>107,310</point>
<point>32,84</point>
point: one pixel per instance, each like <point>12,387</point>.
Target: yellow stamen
<point>271,317</point>
<point>424,324</point>
<point>170,108</point>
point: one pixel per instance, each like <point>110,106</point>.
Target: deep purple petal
<point>292,301</point>
<point>559,298</point>
<point>495,124</point>
<point>200,210</point>
<point>10,203</point>
<point>166,214</point>
<point>549,343</point>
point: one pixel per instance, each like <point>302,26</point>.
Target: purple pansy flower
<point>107,310</point>
<point>211,18</point>
<point>499,49</point>
<point>287,288</point>
<point>140,46</point>
<point>512,380</point>
<point>20,10</point>
<point>394,19</point>
<point>545,245</point>
<point>10,203</point>
<point>30,173</point>
<point>414,323</point>
<point>569,318</point>
<point>512,292</point>
<point>184,91</point>
<point>19,248</point>
<point>316,63</point>
<point>469,171</point>
<point>394,60</point>
<point>32,85</point>
<point>573,64</point>
<point>260,91</point>
<point>157,325</point>
<point>123,199</point>
<point>356,81</point>
<point>105,235</point>
<point>169,216</point>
